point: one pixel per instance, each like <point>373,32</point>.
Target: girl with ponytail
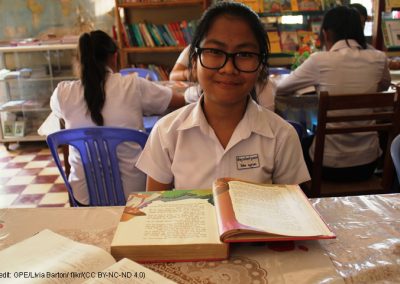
<point>101,97</point>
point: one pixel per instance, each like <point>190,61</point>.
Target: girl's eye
<point>214,52</point>
<point>246,55</point>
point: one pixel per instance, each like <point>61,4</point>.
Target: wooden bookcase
<point>157,13</point>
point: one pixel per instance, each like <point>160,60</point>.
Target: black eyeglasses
<point>212,58</point>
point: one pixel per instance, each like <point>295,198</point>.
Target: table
<point>367,248</point>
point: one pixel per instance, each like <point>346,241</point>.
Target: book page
<point>186,219</point>
<point>54,258</point>
<point>133,272</point>
<point>274,209</point>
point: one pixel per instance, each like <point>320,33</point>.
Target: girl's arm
<point>153,185</point>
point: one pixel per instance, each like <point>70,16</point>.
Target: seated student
<point>347,66</point>
<point>226,133</point>
<point>101,97</point>
<point>265,90</point>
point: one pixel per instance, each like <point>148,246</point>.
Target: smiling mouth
<point>228,84</point>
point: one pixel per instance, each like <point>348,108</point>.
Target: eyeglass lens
<point>216,59</point>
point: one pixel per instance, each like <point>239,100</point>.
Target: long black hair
<point>344,24</point>
<point>243,12</point>
<point>94,51</point>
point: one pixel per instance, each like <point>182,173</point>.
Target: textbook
<point>195,225</point>
<point>48,257</point>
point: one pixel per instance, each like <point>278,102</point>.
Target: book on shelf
<point>391,32</point>
<point>272,6</point>
<point>193,225</point>
<point>274,41</point>
<point>54,258</point>
<point>309,5</point>
<point>289,41</point>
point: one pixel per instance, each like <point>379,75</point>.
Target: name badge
<point>247,162</point>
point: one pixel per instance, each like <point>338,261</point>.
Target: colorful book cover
<point>309,5</point>
<point>138,35</point>
<point>272,6</point>
<point>289,41</point>
<point>274,41</point>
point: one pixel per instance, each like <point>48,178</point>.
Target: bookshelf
<point>160,13</point>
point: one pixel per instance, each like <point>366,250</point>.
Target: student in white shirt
<point>265,90</point>
<point>103,98</point>
<point>224,134</point>
<point>348,66</point>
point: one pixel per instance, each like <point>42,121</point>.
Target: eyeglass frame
<point>261,58</point>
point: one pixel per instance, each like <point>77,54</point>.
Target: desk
<point>367,248</point>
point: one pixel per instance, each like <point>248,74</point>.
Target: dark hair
<point>343,23</point>
<point>94,51</point>
<point>360,9</point>
<point>240,11</point>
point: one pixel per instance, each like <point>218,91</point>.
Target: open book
<point>189,225</point>
<point>48,257</point>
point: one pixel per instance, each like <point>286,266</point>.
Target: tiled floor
<point>29,177</point>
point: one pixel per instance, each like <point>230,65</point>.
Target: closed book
<point>138,35</point>
<point>170,34</point>
<point>195,225</point>
<point>146,35</point>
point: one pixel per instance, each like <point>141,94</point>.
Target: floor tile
<point>8,172</point>
<point>23,158</point>
<point>49,171</point>
<point>58,188</point>
<point>45,179</point>
<point>8,189</point>
<point>36,164</point>
<point>37,188</point>
<point>7,199</point>
<point>30,178</point>
<point>20,180</point>
<point>54,198</point>
<point>29,172</point>
<point>28,199</point>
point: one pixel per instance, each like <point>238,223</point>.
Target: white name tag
<point>247,162</point>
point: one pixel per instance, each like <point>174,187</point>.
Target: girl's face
<point>228,85</point>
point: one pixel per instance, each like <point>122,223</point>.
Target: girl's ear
<point>328,39</point>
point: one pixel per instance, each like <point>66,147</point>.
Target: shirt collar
<point>343,44</point>
<point>252,121</point>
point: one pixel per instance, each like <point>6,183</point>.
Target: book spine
<point>152,35</point>
<point>146,36</point>
<point>171,34</point>
<point>167,35</point>
<point>138,35</point>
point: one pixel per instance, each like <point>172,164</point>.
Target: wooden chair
<point>385,118</point>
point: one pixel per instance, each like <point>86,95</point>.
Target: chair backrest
<point>395,152</point>
<point>386,118</point>
<point>142,72</point>
<point>98,150</point>
<point>298,127</point>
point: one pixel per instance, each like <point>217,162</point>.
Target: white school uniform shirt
<point>343,69</point>
<point>183,149</point>
<point>127,99</point>
<point>265,93</point>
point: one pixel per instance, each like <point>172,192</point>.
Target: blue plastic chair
<point>298,127</point>
<point>142,72</point>
<point>98,149</point>
<point>395,152</point>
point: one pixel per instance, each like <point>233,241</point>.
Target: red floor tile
<point>15,165</point>
<point>45,179</point>
<point>58,188</point>
<point>29,172</point>
<point>28,199</point>
<point>12,189</point>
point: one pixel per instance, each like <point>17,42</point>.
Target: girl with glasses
<point>226,133</point>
